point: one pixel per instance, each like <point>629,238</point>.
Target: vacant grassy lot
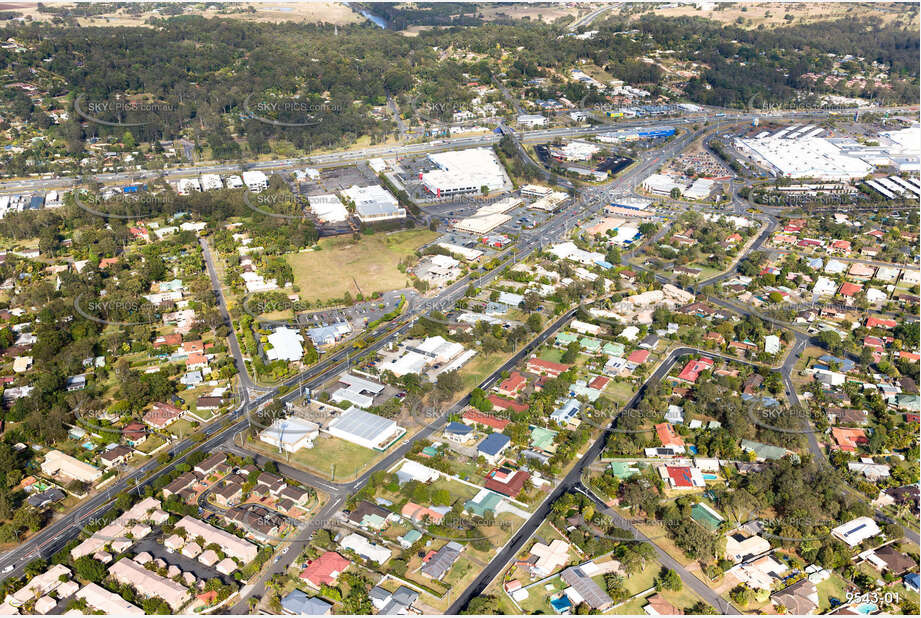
<point>341,262</point>
<point>330,458</point>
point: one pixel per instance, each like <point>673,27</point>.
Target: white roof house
<point>187,185</point>
<point>856,531</point>
<point>365,548</point>
<point>364,429</point>
<point>835,267</point>
<point>374,203</point>
<point>569,251</point>
<point>771,344</point>
<point>39,585</point>
<point>60,464</point>
<point>739,548</point>
<point>286,345</point>
<point>290,434</point>
<point>824,287</point>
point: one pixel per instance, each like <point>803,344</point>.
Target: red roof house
<point>848,289</point>
<point>506,481</point>
<point>668,436</point>
<point>325,569</point>
<point>848,438</point>
<point>693,369</point>
<point>880,323</point>
<point>475,417</point>
<point>512,385</point>
<point>502,404</point>
<point>540,366</point>
<point>638,357</point>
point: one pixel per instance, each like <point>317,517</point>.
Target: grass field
<point>835,587</point>
<point>341,262</point>
<point>350,460</point>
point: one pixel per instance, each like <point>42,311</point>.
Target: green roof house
<point>542,439</point>
<point>564,339</point>
<point>484,502</point>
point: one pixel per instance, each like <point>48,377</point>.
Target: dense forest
<point>230,84</point>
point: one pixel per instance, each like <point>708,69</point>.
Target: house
<point>475,417</point>
<point>889,559</point>
<point>846,416</point>
<point>369,515</point>
<point>436,564</point>
<point>501,404</point>
<point>669,437</point>
<point>135,433</point>
<point>512,386</point>
<point>584,588</point>
<point>549,558</point>
<point>856,531</point>
<point>229,495</point>
<point>492,446</point>
<point>740,548</point>
<point>506,481</point>
<point>216,464</point>
<point>458,432</point>
<point>682,477</point>
<point>162,415</point>
<point>396,603</point>
<point>848,439</point>
<point>419,513</point>
<point>58,464</point>
<point>297,603</point>
<point>801,598</point>
<point>115,456</point>
<point>324,570</point>
<point>548,368</point>
<point>656,605</point>
<point>566,413</point>
<point>693,369</point>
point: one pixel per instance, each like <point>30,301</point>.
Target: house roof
<point>493,444</point>
<point>848,438</point>
<point>668,436</point>
<point>475,416</point>
<point>506,481</point>
<point>299,604</point>
<point>325,569</point>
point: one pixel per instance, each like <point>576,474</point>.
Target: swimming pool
<point>710,477</point>
<point>88,445</point>
<point>866,608</point>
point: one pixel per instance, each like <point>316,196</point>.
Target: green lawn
<point>620,392</point>
<point>834,586</point>
<point>330,458</point>
<point>341,262</point>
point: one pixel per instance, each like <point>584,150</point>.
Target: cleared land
<point>341,262</point>
<point>272,12</point>
<point>772,14</point>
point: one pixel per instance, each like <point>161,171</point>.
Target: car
<point>8,568</point>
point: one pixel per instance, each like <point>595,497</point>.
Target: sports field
<point>342,262</point>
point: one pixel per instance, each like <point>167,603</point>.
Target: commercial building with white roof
<point>255,181</point>
<point>418,356</point>
<point>364,429</point>
<point>290,434</point>
<point>465,171</point>
<point>569,251</point>
<point>286,345</point>
<point>374,203</point>
<point>488,217</point>
<point>328,208</point>
<point>210,182</point>
<point>803,157</point>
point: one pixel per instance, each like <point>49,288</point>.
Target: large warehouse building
<point>464,171</point>
<point>799,153</point>
<point>364,429</point>
<point>489,217</point>
<point>328,208</point>
<point>374,203</point>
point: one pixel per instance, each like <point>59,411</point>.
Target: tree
<point>668,580</point>
<point>535,322</point>
<point>90,569</point>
